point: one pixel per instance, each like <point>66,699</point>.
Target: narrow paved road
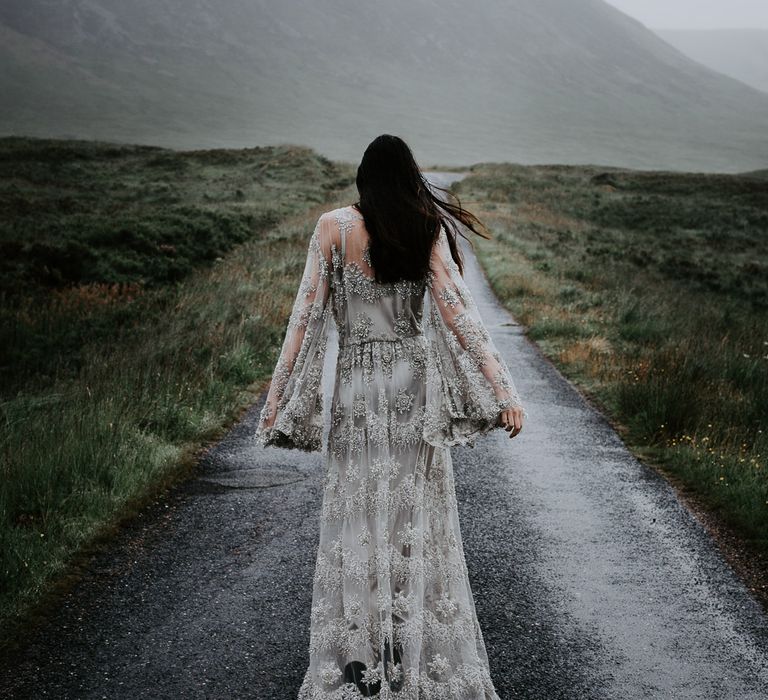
<point>590,577</point>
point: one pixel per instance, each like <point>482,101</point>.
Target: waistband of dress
<point>351,343</point>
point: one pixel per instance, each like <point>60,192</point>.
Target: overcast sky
<point>697,14</point>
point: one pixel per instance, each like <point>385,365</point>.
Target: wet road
<point>591,579</point>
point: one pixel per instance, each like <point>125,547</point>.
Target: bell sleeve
<point>292,416</point>
<point>468,383</point>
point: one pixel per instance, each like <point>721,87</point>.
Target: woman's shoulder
<point>335,224</point>
<point>341,213</point>
<point>342,220</point>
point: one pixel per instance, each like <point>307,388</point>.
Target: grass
<point>650,291</point>
<point>115,370</point>
<point>85,226</point>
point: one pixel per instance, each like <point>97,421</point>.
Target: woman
<point>392,611</point>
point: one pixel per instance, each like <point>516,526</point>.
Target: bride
<point>392,610</point>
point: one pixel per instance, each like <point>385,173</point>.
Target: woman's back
<point>365,310</point>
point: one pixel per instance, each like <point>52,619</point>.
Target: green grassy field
<point>144,297</point>
<point>650,291</point>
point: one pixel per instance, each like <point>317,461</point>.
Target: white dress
<point>392,610</point>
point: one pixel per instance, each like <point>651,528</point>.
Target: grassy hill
<point>530,81</point>
<point>144,296</point>
<point>650,291</point>
<point>82,222</point>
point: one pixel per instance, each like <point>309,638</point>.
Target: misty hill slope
<point>522,80</point>
<point>738,53</point>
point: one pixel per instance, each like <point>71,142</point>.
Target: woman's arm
<point>482,381</point>
<point>292,413</point>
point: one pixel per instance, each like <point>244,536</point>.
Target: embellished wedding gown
<point>392,610</point>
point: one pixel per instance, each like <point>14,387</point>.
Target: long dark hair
<point>402,213</point>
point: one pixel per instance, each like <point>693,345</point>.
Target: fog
<point>697,14</point>
<point>561,81</point>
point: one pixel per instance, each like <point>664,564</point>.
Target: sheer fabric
<point>392,610</point>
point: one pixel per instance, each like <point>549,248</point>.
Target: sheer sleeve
<point>468,383</point>
<point>292,416</point>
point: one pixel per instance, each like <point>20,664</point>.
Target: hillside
<point>79,213</point>
<point>738,53</point>
<point>145,295</point>
<point>520,80</point>
<point>649,290</point>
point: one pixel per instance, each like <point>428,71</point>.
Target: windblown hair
<point>403,214</point>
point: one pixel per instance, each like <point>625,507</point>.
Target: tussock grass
<point>649,290</point>
<point>113,386</point>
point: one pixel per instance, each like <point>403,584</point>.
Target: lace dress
<point>392,610</point>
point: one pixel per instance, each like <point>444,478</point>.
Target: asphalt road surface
<point>591,579</point>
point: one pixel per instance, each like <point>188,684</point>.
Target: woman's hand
<point>512,420</point>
